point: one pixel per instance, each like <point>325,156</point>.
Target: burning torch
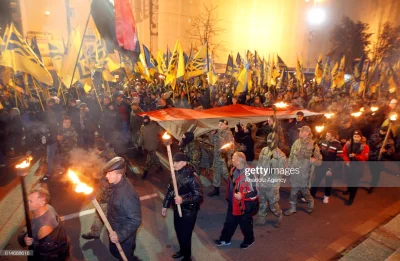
<point>167,141</point>
<point>392,119</point>
<point>85,189</point>
<point>22,170</point>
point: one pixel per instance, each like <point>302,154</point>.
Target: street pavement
<point>300,237</point>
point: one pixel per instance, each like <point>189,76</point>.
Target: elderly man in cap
<point>294,126</point>
<point>219,138</point>
<point>123,209</point>
<point>304,155</point>
<point>190,197</point>
<point>106,154</point>
<point>149,140</point>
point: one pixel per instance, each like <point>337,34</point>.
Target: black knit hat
<point>357,132</point>
<point>180,157</point>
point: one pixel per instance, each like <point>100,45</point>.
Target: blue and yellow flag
<point>326,76</point>
<point>319,70</point>
<point>173,65</point>
<point>199,64</point>
<point>356,78</point>
<point>35,48</point>
<point>151,63</point>
<point>20,57</point>
<point>231,68</point>
<point>242,80</point>
<point>162,66</point>
<point>212,75</point>
<point>55,55</point>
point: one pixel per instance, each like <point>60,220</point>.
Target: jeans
<point>52,150</point>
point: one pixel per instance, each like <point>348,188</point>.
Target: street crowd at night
<point>260,137</point>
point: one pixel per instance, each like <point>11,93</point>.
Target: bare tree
<point>350,39</point>
<point>204,28</point>
<point>387,45</point>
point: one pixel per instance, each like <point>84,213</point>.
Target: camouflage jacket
<point>69,140</point>
<point>192,151</point>
<point>272,163</point>
<point>301,153</point>
<point>221,138</point>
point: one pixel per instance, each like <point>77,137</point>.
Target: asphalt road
<point>301,235</point>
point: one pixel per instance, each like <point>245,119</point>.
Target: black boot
<point>145,174</point>
<point>215,192</point>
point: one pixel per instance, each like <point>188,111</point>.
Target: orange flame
<point>281,105</point>
<point>26,163</point>
<point>319,128</point>
<point>226,146</point>
<point>373,109</point>
<point>166,136</point>
<point>356,114</point>
<point>81,187</point>
<point>393,117</point>
<point>329,115</point>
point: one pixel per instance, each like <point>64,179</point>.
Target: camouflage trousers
<point>220,170</point>
<point>151,160</point>
<point>269,196</point>
<point>97,224</point>
<point>305,191</point>
<point>135,139</point>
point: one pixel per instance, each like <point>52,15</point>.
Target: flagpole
<point>37,91</point>
<point>79,53</point>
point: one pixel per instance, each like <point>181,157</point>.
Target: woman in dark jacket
<point>245,136</point>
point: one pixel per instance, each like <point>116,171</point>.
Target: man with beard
<point>219,138</point>
<point>190,197</point>
<point>354,153</point>
<point>191,150</point>
<point>149,140</point>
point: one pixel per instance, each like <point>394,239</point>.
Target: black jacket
<point>123,209</point>
<point>189,188</point>
<point>247,142</point>
<point>53,247</point>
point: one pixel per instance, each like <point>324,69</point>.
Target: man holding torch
<point>123,209</point>
<point>190,197</point>
<point>219,138</point>
<point>49,239</point>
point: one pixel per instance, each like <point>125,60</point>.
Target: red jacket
<point>248,190</point>
<point>361,155</point>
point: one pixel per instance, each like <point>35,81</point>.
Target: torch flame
<point>319,128</point>
<point>356,114</point>
<point>226,146</point>
<point>393,117</point>
<point>26,163</point>
<point>166,136</point>
<point>281,105</point>
<point>81,187</point>
<point>373,109</point>
<point>329,115</point>
<point>362,109</point>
